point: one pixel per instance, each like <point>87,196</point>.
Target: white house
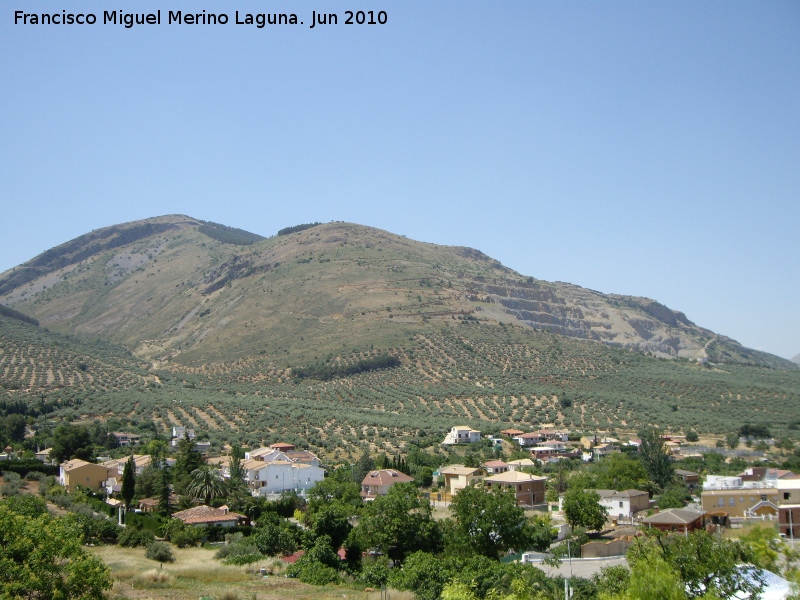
<point>179,432</point>
<point>624,504</point>
<point>296,456</point>
<point>529,439</point>
<point>462,435</point>
<point>279,476</point>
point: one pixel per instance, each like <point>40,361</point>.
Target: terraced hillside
<point>465,372</point>
<point>337,334</point>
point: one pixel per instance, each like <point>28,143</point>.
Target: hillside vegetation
<point>336,333</point>
<point>466,373</point>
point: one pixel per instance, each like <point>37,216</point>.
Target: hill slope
<point>339,334</point>
<point>177,290</point>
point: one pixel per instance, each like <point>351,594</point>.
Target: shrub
<point>191,536</point>
<point>159,551</point>
<point>375,574</point>
<point>314,573</point>
<point>133,538</point>
<point>239,551</point>
<point>155,578</point>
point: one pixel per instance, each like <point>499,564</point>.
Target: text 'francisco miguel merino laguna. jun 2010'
<point>179,17</point>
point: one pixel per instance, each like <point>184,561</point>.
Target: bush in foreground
<point>159,551</point>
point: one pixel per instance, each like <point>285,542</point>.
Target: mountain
<point>336,335</point>
<point>796,359</point>
<point>179,290</point>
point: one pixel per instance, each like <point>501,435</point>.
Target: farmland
<point>465,372</point>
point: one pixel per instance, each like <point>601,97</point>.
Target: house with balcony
<point>529,439</point>
<point>462,434</point>
<point>740,498</point>
<point>126,439</point>
<point>278,476</point>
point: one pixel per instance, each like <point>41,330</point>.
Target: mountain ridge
<point>175,289</point>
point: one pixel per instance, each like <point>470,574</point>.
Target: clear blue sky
<point>646,148</point>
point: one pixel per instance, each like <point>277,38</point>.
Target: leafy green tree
<point>364,465</point>
<point>767,548</point>
<point>42,557</point>
<point>703,562</point>
<point>490,521</point>
<point>691,436</point>
<point>71,441</point>
<point>206,483</point>
<point>654,456</point>
<point>147,482</point>
<point>732,440</point>
<point>424,477</point>
<point>276,536</point>
<point>422,573</point>
<point>675,496</point>
<point>15,425</point>
<point>619,472</point>
<point>582,508</point>
<point>337,487</point>
<point>331,521</point>
<point>128,482</point>
<point>652,578</point>
<point>399,523</point>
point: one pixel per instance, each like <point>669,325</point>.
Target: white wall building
<point>279,476</point>
<point>462,435</point>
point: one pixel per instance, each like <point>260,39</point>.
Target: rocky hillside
<point>177,290</point>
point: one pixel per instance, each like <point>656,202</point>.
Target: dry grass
<point>197,573</point>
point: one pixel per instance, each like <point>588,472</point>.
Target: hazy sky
<point>646,148</point>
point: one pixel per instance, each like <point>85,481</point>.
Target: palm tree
<point>207,483</point>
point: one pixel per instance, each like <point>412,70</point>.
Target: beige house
<point>788,491</point>
<point>377,483</point>
<point>493,467</point>
<point>457,477</point>
<point>740,498</point>
<point>520,463</point>
<point>44,456</point>
<point>77,472</point>
<point>528,488</point>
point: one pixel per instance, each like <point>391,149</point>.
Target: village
<point>713,501</point>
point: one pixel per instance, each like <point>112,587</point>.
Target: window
<point>732,501</point>
<point>620,504</point>
<point>722,501</point>
<point>741,498</point>
<point>786,495</point>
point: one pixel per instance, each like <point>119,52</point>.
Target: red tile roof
<point>206,514</point>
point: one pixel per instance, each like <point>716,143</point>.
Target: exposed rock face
<point>175,288</point>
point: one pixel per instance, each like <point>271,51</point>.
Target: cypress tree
<point>128,482</point>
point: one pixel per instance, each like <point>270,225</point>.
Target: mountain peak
<point>176,288</point>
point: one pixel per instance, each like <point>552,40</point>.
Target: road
<point>582,567</point>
